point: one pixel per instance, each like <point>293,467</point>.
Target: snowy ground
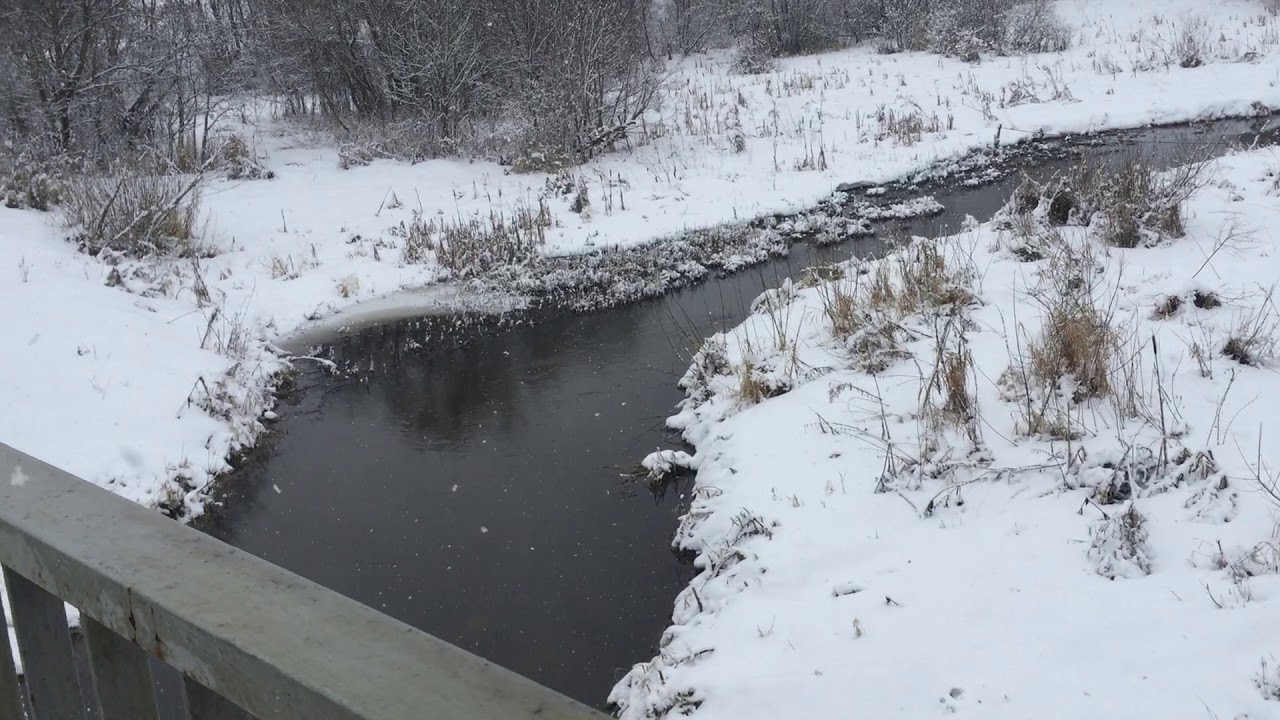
<point>135,390</point>
<point>149,387</point>
<point>903,545</point>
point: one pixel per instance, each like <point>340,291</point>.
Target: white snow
<point>108,384</point>
<point>148,390</point>
<point>856,562</point>
<point>661,463</point>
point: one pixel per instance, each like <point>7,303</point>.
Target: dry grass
<point>1190,46</point>
<point>751,389</point>
<point>1253,341</point>
<point>1073,357</point>
<point>960,405</point>
<point>469,245</point>
<point>948,397</point>
<point>1168,307</point>
<point>1132,204</point>
<point>865,309</point>
<point>1206,300</point>
<point>905,128</point>
<point>1076,346</point>
<point>349,286</point>
<point>136,214</point>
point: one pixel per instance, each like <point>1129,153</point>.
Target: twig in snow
<point>1211,597</point>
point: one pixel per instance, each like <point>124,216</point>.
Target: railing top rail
<point>272,642</point>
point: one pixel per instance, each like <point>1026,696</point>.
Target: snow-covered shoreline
<point>160,385</point>
<point>875,539</point>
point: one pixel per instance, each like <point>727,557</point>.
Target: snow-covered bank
<point>1020,472</point>
<point>150,391</point>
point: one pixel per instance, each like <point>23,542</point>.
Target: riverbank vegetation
<point>1061,423</point>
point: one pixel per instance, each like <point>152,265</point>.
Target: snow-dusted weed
<point>290,267</point>
<point>472,244</point>
<point>348,286</point>
<point>1254,338</point>
<point>1268,679</point>
<point>1119,545</point>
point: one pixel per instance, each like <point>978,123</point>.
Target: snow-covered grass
<point>137,389</point>
<point>966,478</point>
<point>147,376</point>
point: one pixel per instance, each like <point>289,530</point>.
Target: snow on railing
<point>248,637</point>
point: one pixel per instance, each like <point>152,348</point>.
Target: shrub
<point>1134,204</point>
<point>1140,203</point>
<point>752,59</point>
<point>135,213</point>
<point>966,28</point>
<point>795,27</point>
<point>1033,27</point>
<point>240,162</point>
<point>29,180</point>
<point>1190,47</point>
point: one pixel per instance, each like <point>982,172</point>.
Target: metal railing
<point>248,637</point>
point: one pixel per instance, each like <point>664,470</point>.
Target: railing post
<point>121,675</point>
<point>10,699</point>
<point>40,620</point>
<point>205,704</point>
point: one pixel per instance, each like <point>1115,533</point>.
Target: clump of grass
<point>1076,344</point>
<point>871,338</point>
<point>1253,342</point>
<point>470,245</point>
<point>865,309</point>
<point>905,128</point>
<point>239,161</point>
<point>1131,205</point>
<point>136,214</point>
<point>751,389</point>
<point>349,286</point>
<point>1206,300</point>
<point>1120,545</point>
<point>1073,357</point>
<point>1268,677</point>
<point>1141,197</point>
<point>960,405</point>
<point>753,59</point>
<point>1190,47</point>
<point>1168,307</point>
<point>947,396</point>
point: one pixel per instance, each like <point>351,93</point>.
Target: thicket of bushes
<point>130,88</point>
<point>542,81</point>
<point>776,28</point>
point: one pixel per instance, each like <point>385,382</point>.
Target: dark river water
<point>473,487</point>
